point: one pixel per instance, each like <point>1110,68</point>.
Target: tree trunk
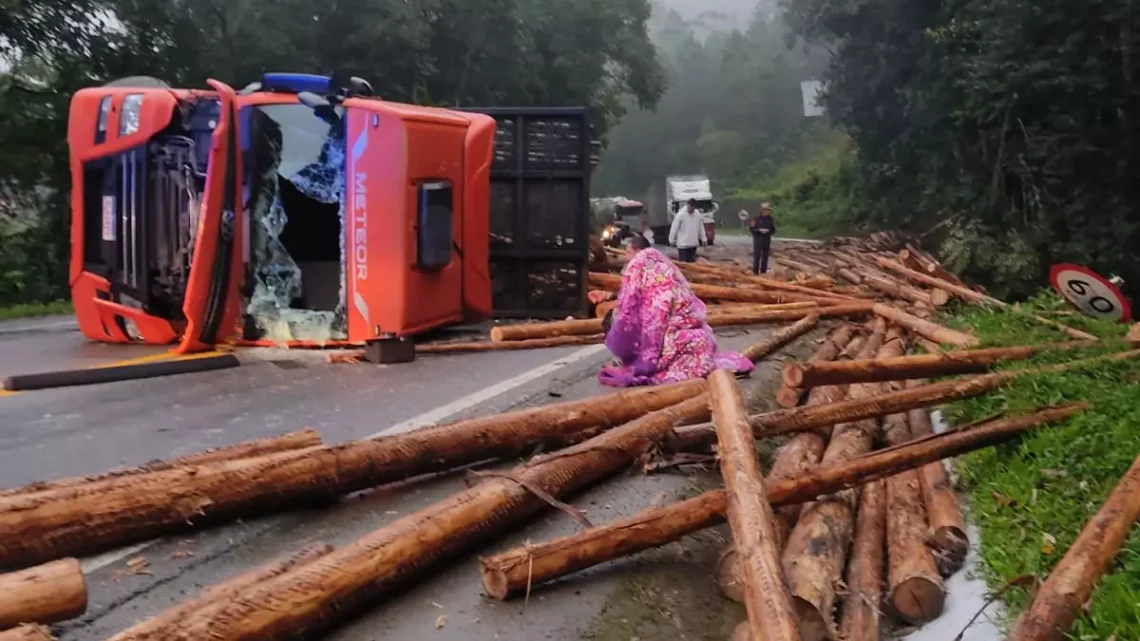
<point>913,366</point>
<point>510,572</point>
<point>948,539</point>
<point>925,328</point>
<point>492,346</point>
<point>816,553</point>
<point>802,419</point>
<point>790,395</point>
<point>1061,599</point>
<point>780,338</point>
<point>300,439</point>
<point>45,525</point>
<point>154,628</point>
<point>323,591</point>
<point>750,516</point>
<point>859,619</point>
<point>27,633</point>
<point>47,593</point>
<point>530,331</point>
<point>915,588</point>
<point>932,281</point>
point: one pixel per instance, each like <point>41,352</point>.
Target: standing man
<point>762,227</point>
<point>688,232</point>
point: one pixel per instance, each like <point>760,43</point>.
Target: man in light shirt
<point>688,232</point>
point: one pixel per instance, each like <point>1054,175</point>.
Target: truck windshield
<point>296,204</point>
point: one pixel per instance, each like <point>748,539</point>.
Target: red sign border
<point>1055,272</point>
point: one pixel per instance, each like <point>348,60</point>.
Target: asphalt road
<point>85,430</point>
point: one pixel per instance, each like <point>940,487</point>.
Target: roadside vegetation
<point>1031,498</point>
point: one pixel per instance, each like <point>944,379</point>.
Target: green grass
<point>1031,498</point>
<point>34,310</point>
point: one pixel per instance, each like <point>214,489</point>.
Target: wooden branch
<point>55,591</point>
<point>510,572</point>
<point>758,351</point>
<point>1061,599</point>
<point>750,516</point>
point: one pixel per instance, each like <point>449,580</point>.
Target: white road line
<point>487,393</point>
<point>107,558</point>
<point>440,413</point>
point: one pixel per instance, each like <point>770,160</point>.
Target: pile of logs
<point>855,518</point>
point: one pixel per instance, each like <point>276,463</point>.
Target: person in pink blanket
<point>657,331</point>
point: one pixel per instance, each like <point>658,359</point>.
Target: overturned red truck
<point>305,210</point>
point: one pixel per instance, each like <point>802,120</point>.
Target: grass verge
<point>34,310</point>
<point>1031,498</point>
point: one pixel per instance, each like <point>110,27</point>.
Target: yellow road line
<point>159,358</point>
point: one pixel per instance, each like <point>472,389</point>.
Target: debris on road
<point>47,593</point>
<point>27,632</point>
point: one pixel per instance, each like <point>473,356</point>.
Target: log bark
<point>153,629</point>
<point>816,552</point>
<point>913,366</point>
<point>1134,335</point>
<point>764,282</point>
<point>859,618</point>
<point>46,593</point>
<point>604,307</point>
<point>802,419</point>
<point>781,338</point>
<point>933,298</point>
<point>529,331</point>
<point>922,262</point>
<point>833,344</point>
<point>750,516</point>
<point>925,328</point>
<point>1071,332</point>
<point>492,346</point>
<point>915,589</point>
<point>300,439</point>
<point>44,525</point>
<point>1061,599</point>
<point>319,593</point>
<point>27,633</point>
<point>707,293</point>
<point>932,281</point>
<point>948,539</point>
<point>509,573</point>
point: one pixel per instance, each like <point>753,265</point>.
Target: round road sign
<point>1090,292</point>
<point>743,215</point>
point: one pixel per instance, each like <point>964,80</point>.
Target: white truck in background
<point>665,199</point>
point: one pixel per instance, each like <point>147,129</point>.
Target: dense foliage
<point>444,52</point>
<point>1010,126</point>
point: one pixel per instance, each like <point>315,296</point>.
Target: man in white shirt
<point>688,232</point>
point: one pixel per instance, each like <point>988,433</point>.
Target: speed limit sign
<point>1090,292</point>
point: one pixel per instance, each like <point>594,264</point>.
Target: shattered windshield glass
<point>297,211</point>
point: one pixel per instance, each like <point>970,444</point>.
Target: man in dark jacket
<point>763,227</point>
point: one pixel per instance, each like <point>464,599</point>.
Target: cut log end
<point>918,599</point>
<point>497,334</point>
<point>495,583</point>
<point>788,397</point>
<point>813,627</point>
<point>728,575</point>
<point>793,375</point>
<point>950,545</point>
<point>939,298</point>
<point>742,632</point>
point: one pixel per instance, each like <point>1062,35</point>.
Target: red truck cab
<point>300,210</point>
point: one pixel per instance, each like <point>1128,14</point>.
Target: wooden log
<point>833,344</point>
<point>1072,332</point>
<point>948,539</point>
<point>492,346</point>
<point>511,572</point>
<point>29,632</point>
<point>300,439</point>
<point>1061,599</point>
<point>583,327</point>
<point>1134,335</point>
<point>859,618</point>
<point>932,281</point>
<point>816,552</point>
<point>802,419</point>
<point>44,525</point>
<point>55,591</point>
<point>319,593</point>
<point>153,629</point>
<point>707,293</point>
<point>903,292</point>
<point>913,366</point>
<point>922,262</point>
<point>914,585</point>
<point>780,338</point>
<point>604,307</point>
<point>764,282</point>
<point>750,516</point>
<point>925,328</point>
